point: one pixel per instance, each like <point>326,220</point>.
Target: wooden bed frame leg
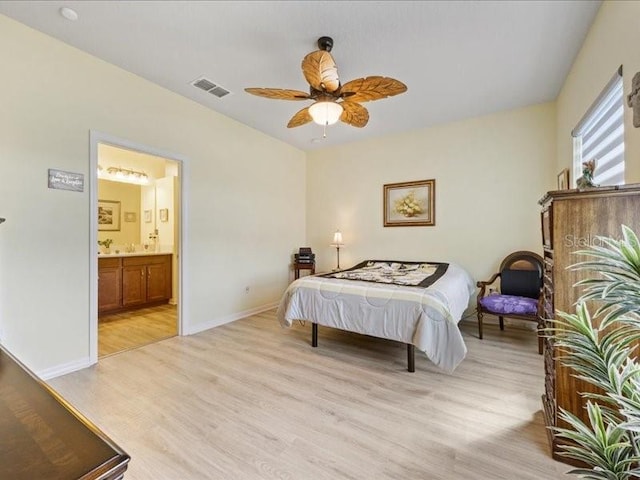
<point>314,334</point>
<point>411,358</point>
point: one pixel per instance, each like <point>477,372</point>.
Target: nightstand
<point>297,266</point>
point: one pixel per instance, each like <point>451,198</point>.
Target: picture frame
<point>130,216</point>
<point>563,179</point>
<point>108,215</point>
<point>410,204</point>
<point>147,216</point>
<point>164,214</point>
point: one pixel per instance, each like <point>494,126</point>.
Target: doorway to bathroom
<point>137,244</point>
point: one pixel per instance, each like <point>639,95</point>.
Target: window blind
<point>600,135</point>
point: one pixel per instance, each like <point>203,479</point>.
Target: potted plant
<point>605,355</point>
<point>106,243</point>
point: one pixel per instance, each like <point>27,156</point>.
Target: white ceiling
<point>458,59</point>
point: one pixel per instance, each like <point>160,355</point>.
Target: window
<point>600,135</point>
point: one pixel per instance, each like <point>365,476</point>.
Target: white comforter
<point>425,317</point>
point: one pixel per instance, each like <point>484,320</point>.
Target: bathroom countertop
<point>133,254</point>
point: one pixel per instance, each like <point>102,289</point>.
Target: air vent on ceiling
<point>210,87</point>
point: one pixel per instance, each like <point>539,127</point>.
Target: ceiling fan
<point>332,100</point>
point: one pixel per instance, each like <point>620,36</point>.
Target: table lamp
<point>337,242</point>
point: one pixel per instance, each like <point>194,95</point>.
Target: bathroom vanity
<point>133,280</point>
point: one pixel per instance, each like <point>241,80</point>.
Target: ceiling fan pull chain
<point>324,130</point>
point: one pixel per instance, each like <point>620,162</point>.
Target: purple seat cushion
<point>506,304</point>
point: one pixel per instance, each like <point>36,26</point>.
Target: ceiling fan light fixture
<point>325,112</point>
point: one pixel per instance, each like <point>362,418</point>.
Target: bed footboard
<point>411,350</point>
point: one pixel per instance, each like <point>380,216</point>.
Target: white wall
<point>246,195</point>
<point>147,204</point>
<point>490,173</point>
<point>613,40</point>
<point>165,188</point>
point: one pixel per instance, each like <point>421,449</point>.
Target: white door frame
<point>96,138</point>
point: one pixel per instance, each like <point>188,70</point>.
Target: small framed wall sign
<point>61,180</point>
<point>410,204</point>
<point>164,214</point>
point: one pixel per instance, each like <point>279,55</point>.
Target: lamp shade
<point>337,239</point>
<point>325,113</point>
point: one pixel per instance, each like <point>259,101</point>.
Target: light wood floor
<point>123,331</point>
<point>251,400</point>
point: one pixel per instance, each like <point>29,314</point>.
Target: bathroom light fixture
<point>124,175</point>
<point>337,242</point>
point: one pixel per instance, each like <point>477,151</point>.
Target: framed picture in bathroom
<point>108,215</point>
<point>164,214</point>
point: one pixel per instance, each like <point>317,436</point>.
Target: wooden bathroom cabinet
<point>133,282</point>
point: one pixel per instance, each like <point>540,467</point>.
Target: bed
<point>417,303</point>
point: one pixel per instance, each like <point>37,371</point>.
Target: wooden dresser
<point>571,220</point>
<point>43,437</point>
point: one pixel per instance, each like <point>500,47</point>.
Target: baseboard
<point>216,322</point>
<point>63,369</point>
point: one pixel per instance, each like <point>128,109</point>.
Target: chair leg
<point>501,319</point>
<point>480,325</point>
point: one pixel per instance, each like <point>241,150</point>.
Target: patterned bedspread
<point>415,274</point>
<point>425,317</point>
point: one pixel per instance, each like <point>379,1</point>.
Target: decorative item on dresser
<point>588,171</point>
<point>633,99</point>
<point>572,220</point>
<point>563,179</point>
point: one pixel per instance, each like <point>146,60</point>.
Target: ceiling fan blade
<point>300,118</point>
<point>371,88</point>
<point>354,114</point>
<point>321,72</point>
<point>278,93</point>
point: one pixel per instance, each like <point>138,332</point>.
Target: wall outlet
<point>246,289</point>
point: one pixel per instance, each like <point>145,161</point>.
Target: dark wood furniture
<point>109,284</point>
<point>133,282</point>
<point>572,220</point>
<point>297,266</point>
<point>522,261</point>
<point>43,437</point>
